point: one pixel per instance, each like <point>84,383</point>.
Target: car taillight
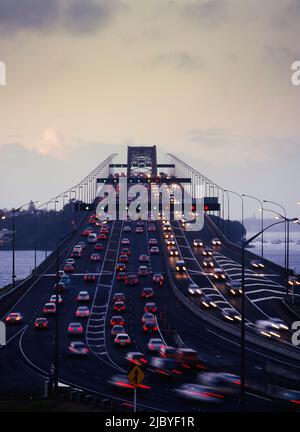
<point>124,384</point>
<point>144,361</point>
<point>186,366</point>
<point>295,401</point>
<point>145,328</point>
<point>143,386</point>
<point>177,371</point>
<point>162,372</point>
<point>155,328</point>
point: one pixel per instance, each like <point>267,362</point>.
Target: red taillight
<point>176,371</point>
<point>162,372</point>
<point>186,366</point>
<point>155,328</point>
<point>213,395</point>
<point>237,382</point>
<point>124,384</point>
<point>145,328</point>
<point>144,386</point>
<point>200,366</point>
<point>295,401</point>
<point>144,361</point>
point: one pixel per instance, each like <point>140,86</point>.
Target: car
<point>158,278</point>
<point>194,289</point>
<point>89,277</point>
<point>14,318</point>
<point>104,230</point>
<point>140,223</point>
<point>87,231</point>
<point>167,228</point>
<point>99,247</point>
<point>189,358</point>
<point>198,392</point>
<point>294,280</point>
<point>40,323</point>
<point>83,296</point>
<point>66,280</point>
<point>168,236</point>
<point>125,241</point>
<point>150,307</point>
<point>76,254</point>
<point>77,248</point>
<point>102,236</point>
<point>123,259</point>
<point>75,329</point>
<point>227,384</point>
<point>70,261</point>
<point>120,267</point>
<point>143,270</point>
<point>69,268</point>
<point>136,357</point>
<point>230,314</point>
<point>121,381</point>
<point>82,244</point>
<point>53,299</point>
<point>132,279</point>
<point>122,276</point>
<point>119,296</point>
<point>152,242</point>
<point>256,264</point>
<point>122,339</point>
<point>208,263</point>
<point>82,312</point>
<point>92,219</point>
<point>49,309</point>
<point>180,266</point>
<point>170,242</point>
<point>267,328</point>
<point>219,275</point>
<point>154,250</point>
<point>117,320</point>
<point>198,243</point>
<point>125,251</point>
<point>78,349</point>
<point>207,301</point>
<point>119,306</point>
<point>216,242</point>
<point>151,228</point>
<point>234,287</point>
<point>127,228</point>
<point>165,367</point>
<point>155,344</point>
<point>148,316</point>
<point>144,258</point>
<point>95,257</point>
<point>117,329</point>
<point>287,398</point>
<point>173,252</point>
<point>59,287</point>
<point>92,238</point>
<point>139,230</point>
<point>147,293</point>
<point>150,326</point>
<point>207,251</point>
<point>279,323</point>
<point>168,351</point>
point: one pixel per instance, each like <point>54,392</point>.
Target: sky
<point>208,80</point>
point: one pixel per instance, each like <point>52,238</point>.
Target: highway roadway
<point>31,352</point>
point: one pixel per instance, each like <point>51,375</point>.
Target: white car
<point>155,344</point>
<point>70,261</point>
<point>127,228</point>
<point>92,238</point>
<point>198,392</point>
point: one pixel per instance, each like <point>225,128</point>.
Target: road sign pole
<point>134,400</point>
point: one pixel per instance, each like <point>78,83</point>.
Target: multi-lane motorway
<point>27,358</point>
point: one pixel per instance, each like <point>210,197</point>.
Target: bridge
<point>212,312</point>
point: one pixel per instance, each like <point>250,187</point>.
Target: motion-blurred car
<point>116,329</point>
<point>216,242</point>
<point>198,243</point>
<point>198,392</point>
<point>150,307</point>
<point>14,318</point>
<point>82,312</point>
<point>257,265</point>
<point>78,348</point>
<point>40,323</point>
<point>54,297</point>
<point>224,383</point>
<point>132,279</point>
<point>189,359</point>
<point>294,280</point>
<point>207,301</point>
<point>136,357</point>
<point>155,344</point>
<point>95,257</point>
<point>122,382</point>
<point>147,292</point>
<point>234,287</point>
<point>165,367</point>
<point>75,329</point>
<point>167,351</point>
<point>117,320</point>
<point>267,328</point>
<point>230,314</point>
<point>279,323</point>
<point>89,277</point>
<point>49,309</point>
<point>87,231</point>
<point>122,339</point>
<point>83,296</point>
<point>148,316</point>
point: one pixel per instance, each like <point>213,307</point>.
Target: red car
<point>87,231</point>
<point>95,257</point>
<point>121,267</point>
<point>89,277</point>
<point>99,247</point>
<point>101,236</point>
<point>132,280</point>
<point>123,259</point>
<point>68,268</point>
<point>119,306</point>
<point>158,278</point>
<point>150,307</point>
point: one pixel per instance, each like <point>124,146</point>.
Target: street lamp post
<point>262,221</point>
<point>285,228</point>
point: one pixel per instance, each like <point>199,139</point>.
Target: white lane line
<point>16,334</point>
<point>266,298</point>
<point>264,290</point>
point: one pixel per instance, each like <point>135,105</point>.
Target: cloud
<point>207,13</point>
<point>72,16</point>
<point>51,143</point>
<point>179,60</point>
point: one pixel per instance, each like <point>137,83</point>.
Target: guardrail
<point>256,340</point>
